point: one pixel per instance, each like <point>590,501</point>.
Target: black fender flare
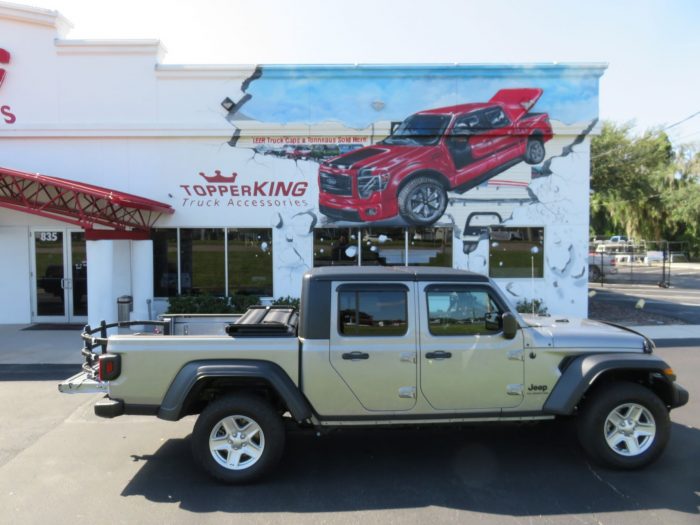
<point>582,372</point>
<point>195,371</point>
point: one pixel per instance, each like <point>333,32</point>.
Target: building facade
<point>159,180</point>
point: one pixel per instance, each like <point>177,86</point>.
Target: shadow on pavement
<point>37,372</point>
<point>625,306</point>
<point>527,470</point>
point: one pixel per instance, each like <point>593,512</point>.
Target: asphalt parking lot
<point>61,464</point>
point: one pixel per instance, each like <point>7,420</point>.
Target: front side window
<point>419,130</point>
<point>372,313</point>
<point>463,312</point>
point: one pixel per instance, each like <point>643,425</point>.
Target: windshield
<point>419,130</point>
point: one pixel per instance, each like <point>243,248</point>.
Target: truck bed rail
<point>91,341</point>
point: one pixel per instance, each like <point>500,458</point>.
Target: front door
<point>465,362</point>
<point>59,278</point>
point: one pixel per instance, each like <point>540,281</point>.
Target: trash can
<point>124,305</point>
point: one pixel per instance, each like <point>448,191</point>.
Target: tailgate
<point>82,383</point>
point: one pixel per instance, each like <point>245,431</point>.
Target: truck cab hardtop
<point>386,346</point>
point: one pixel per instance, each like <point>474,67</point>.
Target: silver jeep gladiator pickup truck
<point>386,346</point>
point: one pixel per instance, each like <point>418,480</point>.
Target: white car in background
<point>600,265</point>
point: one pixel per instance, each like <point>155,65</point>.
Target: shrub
<point>287,301</point>
<point>210,304</point>
<point>527,307</point>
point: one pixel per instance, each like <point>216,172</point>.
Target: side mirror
<point>510,325</point>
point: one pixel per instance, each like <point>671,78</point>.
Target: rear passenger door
<point>373,345</point>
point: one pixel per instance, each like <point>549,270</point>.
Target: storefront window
<point>430,247</point>
<point>516,252</point>
<point>202,262</point>
<point>335,247</point>
<point>164,262</point>
<point>250,262</point>
<point>384,246</point>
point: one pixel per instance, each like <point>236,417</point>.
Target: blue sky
<point>651,46</point>
<point>284,95</point>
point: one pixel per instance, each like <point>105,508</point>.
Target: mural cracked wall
<point>459,147</point>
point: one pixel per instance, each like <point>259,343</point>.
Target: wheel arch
<point>585,374</point>
<point>200,381</point>
<point>429,173</point>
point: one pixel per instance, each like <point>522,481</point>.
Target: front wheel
<point>624,426</point>
<point>238,438</point>
<point>422,201</point>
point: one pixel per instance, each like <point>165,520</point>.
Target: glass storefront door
<point>59,280</point>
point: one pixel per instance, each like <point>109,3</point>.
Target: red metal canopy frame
<point>126,216</point>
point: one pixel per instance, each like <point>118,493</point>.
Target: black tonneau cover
<point>269,321</point>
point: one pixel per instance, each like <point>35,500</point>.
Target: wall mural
<point>449,148</point>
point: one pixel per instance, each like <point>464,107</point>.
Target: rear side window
<point>372,313</point>
<point>463,312</point>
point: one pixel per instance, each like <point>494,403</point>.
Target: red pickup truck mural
<point>431,152</point>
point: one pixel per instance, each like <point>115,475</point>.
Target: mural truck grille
<point>336,184</point>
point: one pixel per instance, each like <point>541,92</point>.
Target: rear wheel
<point>238,438</point>
<point>422,201</point>
<point>624,425</point>
<point>594,273</point>
<point>534,151</point>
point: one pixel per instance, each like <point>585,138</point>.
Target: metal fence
<point>644,262</point>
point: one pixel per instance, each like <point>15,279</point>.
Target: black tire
<point>534,151</point>
<point>594,273</point>
<point>638,411</point>
<point>422,201</point>
<point>266,440</point>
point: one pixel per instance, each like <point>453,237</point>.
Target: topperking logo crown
<point>218,177</point>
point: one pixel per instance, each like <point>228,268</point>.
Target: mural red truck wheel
<point>422,201</point>
<point>534,151</point>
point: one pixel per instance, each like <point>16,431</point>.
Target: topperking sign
<point>6,114</point>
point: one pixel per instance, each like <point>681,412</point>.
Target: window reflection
<point>250,262</point>
<point>430,247</point>
<point>516,252</point>
<point>164,262</point>
<point>382,313</point>
<point>462,312</point>
<point>335,247</point>
<point>384,246</point>
<point>202,261</point>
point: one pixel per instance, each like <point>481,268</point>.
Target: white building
<point>158,180</point>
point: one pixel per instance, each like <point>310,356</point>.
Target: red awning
<point>80,204</point>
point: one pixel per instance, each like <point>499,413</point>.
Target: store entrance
<point>59,278</point>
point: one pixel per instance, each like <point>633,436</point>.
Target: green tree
<point>642,187</point>
<point>629,180</point>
